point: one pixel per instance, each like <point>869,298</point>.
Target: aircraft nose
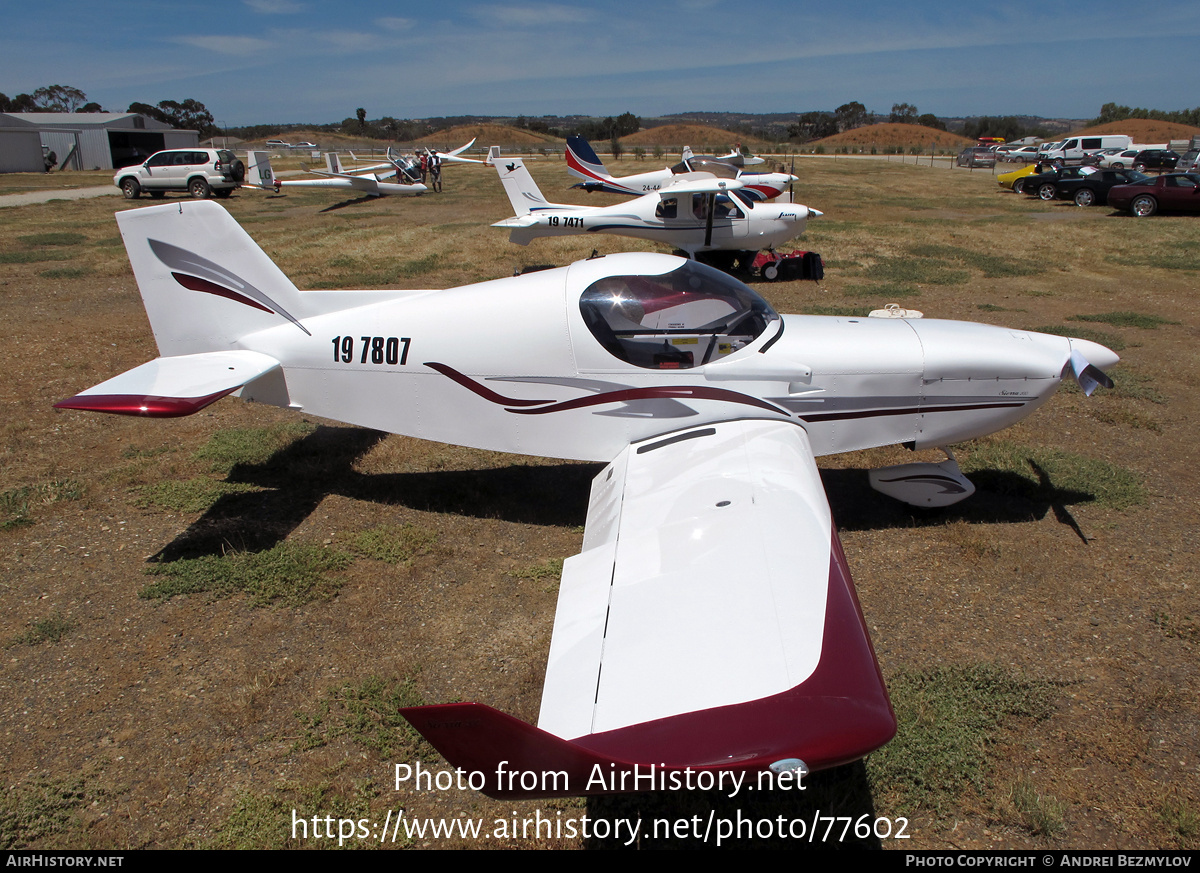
<point>814,213</point>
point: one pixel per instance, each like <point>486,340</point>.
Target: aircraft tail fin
<point>205,283</point>
<point>332,163</point>
<point>258,172</point>
<point>583,162</point>
<point>522,191</point>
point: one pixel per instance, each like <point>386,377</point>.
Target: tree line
<point>818,125</point>
<point>181,115</point>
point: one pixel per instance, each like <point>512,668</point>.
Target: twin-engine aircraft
<point>709,622</point>
<point>584,163</point>
<point>694,212</point>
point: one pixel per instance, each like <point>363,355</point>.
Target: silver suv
<point>200,172</point>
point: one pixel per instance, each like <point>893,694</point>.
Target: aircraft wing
<point>710,623</point>
<point>453,157</point>
<point>699,183</point>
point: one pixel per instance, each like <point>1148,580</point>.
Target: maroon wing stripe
<point>694,392</point>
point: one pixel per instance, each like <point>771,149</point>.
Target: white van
<point>1074,148</point>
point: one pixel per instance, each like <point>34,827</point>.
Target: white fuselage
<point>515,369</point>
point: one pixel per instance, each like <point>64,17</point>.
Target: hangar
<point>87,140</point>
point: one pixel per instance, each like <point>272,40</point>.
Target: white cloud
<point>227,45</point>
<point>395,24</point>
<point>534,15</point>
<point>275,7</point>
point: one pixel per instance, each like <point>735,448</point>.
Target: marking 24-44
<point>391,350</point>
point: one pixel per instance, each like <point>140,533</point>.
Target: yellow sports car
<point>1009,180</point>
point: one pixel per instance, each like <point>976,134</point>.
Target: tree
<point>903,113</point>
<point>188,115</point>
<point>931,120</point>
<point>58,98</point>
<point>850,116</point>
<point>812,125</point>
<point>362,118</point>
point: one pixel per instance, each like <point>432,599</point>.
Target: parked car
<point>1028,154</point>
<point>1015,179</point>
<point>1079,147</point>
<point>1173,192</point>
<point>304,145</point>
<point>977,156</point>
<point>1120,159</point>
<point>1093,188</point>
<point>1189,163</point>
<point>1155,159</point>
<point>278,144</point>
<point>200,172</point>
<point>1043,185</point>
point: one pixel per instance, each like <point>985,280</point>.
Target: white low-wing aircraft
<point>584,163</point>
<point>399,175</point>
<point>694,212</point>
<point>710,622</point>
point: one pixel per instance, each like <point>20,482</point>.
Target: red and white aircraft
<point>710,622</point>
<point>694,212</point>
<point>584,163</point>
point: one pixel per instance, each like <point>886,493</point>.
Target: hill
<point>487,135</point>
<point>700,137</point>
<point>1143,130</point>
<point>895,135</point>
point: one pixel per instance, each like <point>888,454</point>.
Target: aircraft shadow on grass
<point>297,478</point>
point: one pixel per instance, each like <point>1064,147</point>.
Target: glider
<point>709,624</point>
<point>695,212</point>
<point>584,163</point>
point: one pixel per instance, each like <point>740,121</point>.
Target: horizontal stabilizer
<point>173,387</point>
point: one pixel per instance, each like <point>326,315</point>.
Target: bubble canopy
<point>677,320</point>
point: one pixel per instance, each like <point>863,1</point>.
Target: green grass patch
<point>17,504</point>
<point>1179,257</point>
<point>548,569</point>
<point>45,812</point>
<point>1125,319</point>
<point>33,257</point>
<point>59,238</point>
<point>395,544</point>
<point>368,714</point>
<point>910,271</point>
<point>1043,474</point>
<point>840,311</point>
<point>883,290</point>
<point>66,272</point>
<point>45,630</point>
<point>1041,814</point>
<point>1129,383</point>
<point>1111,340</point>
<point>193,495</point>
<point>264,821</point>
<point>1182,819</point>
<point>252,445</point>
<point>992,266</point>
<point>288,573</point>
<point>949,718</point>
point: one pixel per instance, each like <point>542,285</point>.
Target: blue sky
<point>313,61</point>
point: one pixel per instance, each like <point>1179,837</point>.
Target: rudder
<point>204,282</point>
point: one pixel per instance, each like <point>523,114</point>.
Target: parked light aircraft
<point>697,213</point>
<point>710,622</point>
<point>583,162</point>
<point>399,175</point>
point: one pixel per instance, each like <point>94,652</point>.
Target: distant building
<point>91,140</point>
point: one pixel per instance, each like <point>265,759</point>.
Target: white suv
<point>200,172</point>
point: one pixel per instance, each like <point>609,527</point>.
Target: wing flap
<point>715,588</point>
<point>173,386</point>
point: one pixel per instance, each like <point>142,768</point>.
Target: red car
<point>1177,192</point>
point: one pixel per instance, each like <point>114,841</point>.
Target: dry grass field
<point>208,622</point>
